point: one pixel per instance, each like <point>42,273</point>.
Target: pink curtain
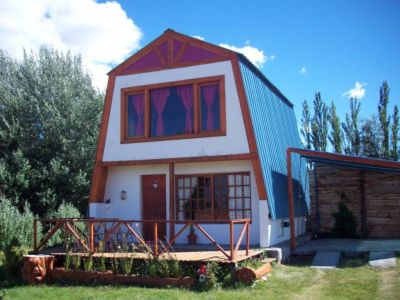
<point>159,100</point>
<point>186,95</point>
<point>209,95</point>
<point>138,104</point>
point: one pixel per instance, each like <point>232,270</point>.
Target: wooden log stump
<point>36,268</point>
<point>248,275</point>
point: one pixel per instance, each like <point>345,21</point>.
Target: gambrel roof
<point>267,114</point>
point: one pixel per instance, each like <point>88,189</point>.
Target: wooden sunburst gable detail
<point>172,50</point>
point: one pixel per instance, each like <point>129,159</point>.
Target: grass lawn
<point>353,280</point>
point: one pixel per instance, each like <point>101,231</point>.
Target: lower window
<point>213,196</point>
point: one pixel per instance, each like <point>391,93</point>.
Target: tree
<point>370,137</point>
<point>319,124</point>
<point>384,119</point>
<point>49,120</point>
<point>350,128</point>
<point>306,125</point>
<point>394,154</point>
<point>336,135</point>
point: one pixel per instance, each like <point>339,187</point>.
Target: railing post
<point>34,234</point>
<point>155,239</point>
<point>231,241</point>
<point>247,237</point>
<point>91,236</point>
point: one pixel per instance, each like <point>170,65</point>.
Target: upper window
<point>183,109</point>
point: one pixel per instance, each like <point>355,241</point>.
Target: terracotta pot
<point>192,239</point>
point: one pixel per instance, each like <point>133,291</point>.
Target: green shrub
<point>139,267</point>
<point>217,276</point>
<point>13,261</point>
<point>115,265</point>
<point>16,227</point>
<point>65,210</point>
<point>100,264</point>
<point>125,265</point>
<point>76,262</point>
<point>175,269</point>
<point>88,263</point>
<point>253,263</point>
<point>152,268</point>
<point>345,222</point>
<point>68,261</point>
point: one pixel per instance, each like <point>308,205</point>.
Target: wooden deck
<point>86,235</point>
<point>188,256</point>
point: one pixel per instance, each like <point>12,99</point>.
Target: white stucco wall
<point>129,180</point>
<point>272,232</point>
<point>235,141</point>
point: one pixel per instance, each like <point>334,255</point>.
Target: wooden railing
<point>87,233</point>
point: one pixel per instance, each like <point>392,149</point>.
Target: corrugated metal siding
<point>275,130</point>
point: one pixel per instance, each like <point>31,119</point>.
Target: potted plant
<point>192,236</point>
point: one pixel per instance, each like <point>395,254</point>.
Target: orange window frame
<point>125,92</point>
<point>212,194</point>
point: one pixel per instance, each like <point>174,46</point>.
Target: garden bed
<point>110,278</point>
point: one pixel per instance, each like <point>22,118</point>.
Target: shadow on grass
<point>353,261</point>
<point>300,261</point>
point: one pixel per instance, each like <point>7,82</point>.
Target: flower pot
<point>192,239</point>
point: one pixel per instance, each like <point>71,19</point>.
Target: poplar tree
<point>394,155</point>
<point>319,124</point>
<point>351,129</point>
<point>306,125</point>
<point>336,134</point>
<point>370,139</point>
<point>384,119</point>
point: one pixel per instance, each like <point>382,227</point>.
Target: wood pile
<point>377,212</point>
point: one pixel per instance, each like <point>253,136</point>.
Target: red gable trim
<point>172,50</point>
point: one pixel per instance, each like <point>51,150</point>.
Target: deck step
<point>326,259</point>
<point>382,259</point>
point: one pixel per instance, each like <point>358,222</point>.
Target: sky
<point>340,48</point>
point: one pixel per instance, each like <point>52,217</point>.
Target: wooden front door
<point>153,205</point>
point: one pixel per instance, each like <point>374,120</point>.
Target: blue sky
<point>341,46</point>
<point>338,43</point>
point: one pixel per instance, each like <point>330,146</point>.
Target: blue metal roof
<point>275,130</point>
<point>350,161</point>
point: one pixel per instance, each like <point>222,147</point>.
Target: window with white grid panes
<point>213,196</point>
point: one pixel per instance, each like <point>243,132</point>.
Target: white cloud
<point>255,55</point>
<point>357,92</point>
<point>101,32</point>
<point>199,37</point>
<point>303,70</point>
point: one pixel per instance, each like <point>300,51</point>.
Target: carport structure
<point>371,185</point>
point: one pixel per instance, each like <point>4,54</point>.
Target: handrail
<point>88,242</point>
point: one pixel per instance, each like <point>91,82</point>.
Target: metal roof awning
<point>335,159</point>
<point>348,161</point>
